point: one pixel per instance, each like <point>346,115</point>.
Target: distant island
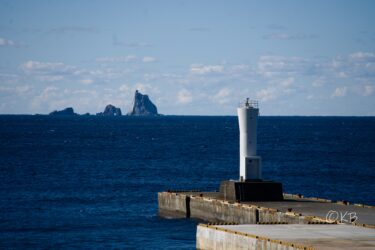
<point>142,106</point>
<point>67,111</point>
<point>110,110</point>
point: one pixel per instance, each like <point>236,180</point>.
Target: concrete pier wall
<point>286,236</point>
<point>218,210</point>
<point>211,237</point>
<point>173,204</point>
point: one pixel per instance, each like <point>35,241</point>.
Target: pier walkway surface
<point>340,211</point>
<point>296,236</point>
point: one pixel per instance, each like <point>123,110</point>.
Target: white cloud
<point>148,59</point>
<point>48,68</point>
<point>142,87</point>
<point>23,89</point>
<point>206,69</point>
<point>356,65</point>
<point>339,92</point>
<point>362,56</point>
<point>4,42</point>
<point>125,59</point>
<point>184,96</point>
<point>50,78</point>
<point>49,90</point>
<point>58,71</point>
<point>86,81</point>
<point>124,88</point>
<point>146,88</point>
<point>275,26</point>
<point>48,93</point>
<point>286,36</point>
<point>337,62</point>
<point>270,66</point>
<point>117,59</point>
<point>342,74</point>
<point>54,72</point>
<point>106,74</point>
<point>73,29</point>
<point>240,67</point>
<point>18,90</point>
<point>5,89</point>
<point>85,91</point>
<point>287,82</point>
<point>222,96</point>
<point>368,90</point>
<point>82,100</point>
<point>8,43</point>
<point>118,42</point>
<point>271,79</point>
<point>319,82</point>
<point>267,94</point>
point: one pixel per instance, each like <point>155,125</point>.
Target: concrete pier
<point>285,237</point>
<point>346,226</point>
<point>293,210</point>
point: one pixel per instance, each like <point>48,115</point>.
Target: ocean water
<point>92,182</point>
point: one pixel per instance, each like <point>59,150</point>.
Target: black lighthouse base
<point>251,190</point>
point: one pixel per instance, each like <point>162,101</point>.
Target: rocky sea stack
<point>67,111</point>
<point>142,106</point>
<point>110,110</point>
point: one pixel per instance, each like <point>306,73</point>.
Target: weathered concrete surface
<point>218,210</point>
<point>208,207</point>
<point>205,206</point>
<point>293,210</point>
<point>324,209</point>
<point>210,237</point>
<point>285,237</point>
<point>172,204</point>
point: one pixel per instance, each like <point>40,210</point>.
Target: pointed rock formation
<point>142,106</point>
<point>110,110</point>
<point>67,111</point>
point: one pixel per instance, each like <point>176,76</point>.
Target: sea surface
<point>91,182</point>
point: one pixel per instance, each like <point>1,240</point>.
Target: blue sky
<point>190,57</point>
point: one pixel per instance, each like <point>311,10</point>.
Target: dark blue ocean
<point>92,182</point>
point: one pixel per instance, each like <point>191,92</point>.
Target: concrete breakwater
<point>207,207</point>
<point>273,224</point>
<point>293,210</point>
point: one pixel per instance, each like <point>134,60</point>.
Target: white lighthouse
<point>250,163</point>
<point>251,186</point>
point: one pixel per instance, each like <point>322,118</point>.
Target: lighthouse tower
<point>250,186</point>
<point>250,163</point>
